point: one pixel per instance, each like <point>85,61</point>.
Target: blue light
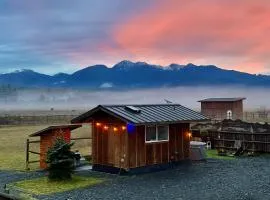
<point>130,128</point>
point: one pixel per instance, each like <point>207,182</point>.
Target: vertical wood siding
<point>109,147</point>
<point>218,110</point>
<point>142,154</point>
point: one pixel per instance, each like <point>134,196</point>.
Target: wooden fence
<point>252,142</point>
<point>28,151</point>
<point>35,120</point>
<point>256,116</point>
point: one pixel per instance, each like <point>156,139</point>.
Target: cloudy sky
<point>65,35</point>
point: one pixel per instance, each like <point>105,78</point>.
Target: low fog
<point>84,100</point>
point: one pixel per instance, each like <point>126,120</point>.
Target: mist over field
<point>84,100</point>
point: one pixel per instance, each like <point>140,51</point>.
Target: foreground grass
<point>12,145</point>
<point>212,153</point>
<point>41,186</point>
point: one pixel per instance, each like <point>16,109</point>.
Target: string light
<point>189,135</point>
<point>115,129</point>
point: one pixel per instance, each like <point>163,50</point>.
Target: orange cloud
<point>227,33</point>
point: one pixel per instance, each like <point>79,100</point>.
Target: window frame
<point>156,128</point>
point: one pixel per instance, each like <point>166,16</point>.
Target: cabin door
<point>116,148</point>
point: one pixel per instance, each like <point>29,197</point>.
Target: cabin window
<point>156,133</point>
<point>150,134</point>
<point>163,133</point>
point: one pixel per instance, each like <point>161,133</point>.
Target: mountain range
<point>127,74</point>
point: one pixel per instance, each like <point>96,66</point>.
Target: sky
<point>51,36</point>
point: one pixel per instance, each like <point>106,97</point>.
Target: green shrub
<point>88,158</point>
<point>222,152</point>
<point>60,160</point>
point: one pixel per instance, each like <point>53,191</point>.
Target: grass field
<point>12,145</point>
<point>212,153</point>
<point>41,186</point>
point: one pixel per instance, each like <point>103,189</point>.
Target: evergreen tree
<point>61,160</point>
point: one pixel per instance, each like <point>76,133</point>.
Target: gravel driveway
<point>11,176</point>
<point>243,178</point>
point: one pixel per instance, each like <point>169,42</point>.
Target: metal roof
<point>223,99</point>
<point>153,113</point>
<point>50,128</point>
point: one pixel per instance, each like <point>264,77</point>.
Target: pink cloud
<point>232,34</point>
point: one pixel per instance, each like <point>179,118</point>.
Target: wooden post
<point>253,144</point>
<point>183,137</point>
<point>136,148</point>
<point>92,143</point>
<point>27,155</point>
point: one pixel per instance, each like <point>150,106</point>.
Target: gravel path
<point>11,176</point>
<point>244,178</point>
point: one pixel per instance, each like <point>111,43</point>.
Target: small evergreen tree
<point>60,160</point>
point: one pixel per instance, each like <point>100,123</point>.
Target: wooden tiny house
<point>130,138</point>
<point>49,135</point>
<point>222,108</point>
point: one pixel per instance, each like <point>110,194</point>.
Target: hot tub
<point>197,150</point>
